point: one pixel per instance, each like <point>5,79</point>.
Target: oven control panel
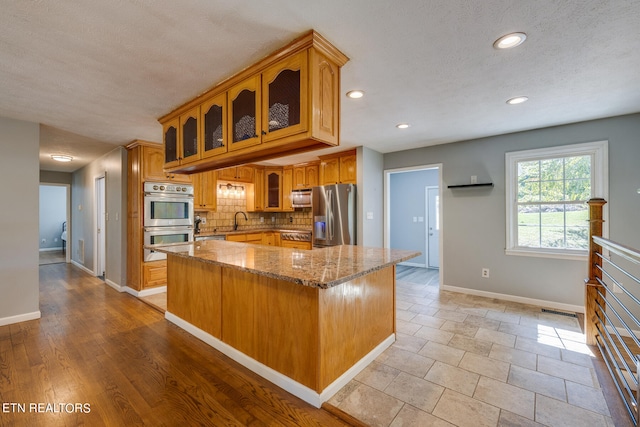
<point>168,188</point>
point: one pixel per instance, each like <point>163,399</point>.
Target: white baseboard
<point>51,249</point>
<point>114,285</point>
<point>303,392</point>
<point>20,318</point>
<point>82,267</point>
<point>514,298</point>
<point>144,292</point>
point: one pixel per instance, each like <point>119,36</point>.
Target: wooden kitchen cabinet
<point>152,166</point>
<point>306,176</point>
<point>287,187</point>
<point>339,168</point>
<point>205,191</point>
<point>213,118</point>
<point>145,162</point>
<point>271,238</point>
<point>245,114</point>
<point>330,171</point>
<point>273,189</point>
<point>255,193</point>
<point>287,103</point>
<point>284,98</point>
<point>348,169</point>
<point>181,139</point>
<point>239,173</point>
<point>154,273</point>
<point>295,244</point>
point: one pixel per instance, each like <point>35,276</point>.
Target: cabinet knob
<point>264,132</point>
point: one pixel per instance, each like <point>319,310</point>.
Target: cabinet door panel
<point>171,149</point>
<point>188,136</point>
<point>311,175</point>
<point>284,98</point>
<point>244,114</point>
<point>213,119</point>
<point>273,181</point>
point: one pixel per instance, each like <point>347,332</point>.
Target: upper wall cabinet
<point>284,98</point>
<point>285,104</point>
<point>213,118</point>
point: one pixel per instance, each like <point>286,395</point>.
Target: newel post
<point>592,286</point>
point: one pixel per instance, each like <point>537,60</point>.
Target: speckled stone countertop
<point>321,267</point>
<point>222,231</point>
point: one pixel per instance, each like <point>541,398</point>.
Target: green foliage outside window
<point>552,212</point>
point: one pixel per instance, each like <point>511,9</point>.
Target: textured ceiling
<point>106,70</point>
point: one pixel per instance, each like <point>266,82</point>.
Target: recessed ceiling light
<point>510,40</point>
<point>517,100</point>
<point>61,158</point>
<point>355,94</point>
<point>402,125</point>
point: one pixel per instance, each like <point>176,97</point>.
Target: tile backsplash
<point>227,206</point>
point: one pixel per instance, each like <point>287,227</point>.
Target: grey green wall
<point>407,200</point>
<point>53,213</point>
<point>113,165</point>
<point>370,197</point>
<point>474,221</point>
<point>19,167</point>
<point>51,177</point>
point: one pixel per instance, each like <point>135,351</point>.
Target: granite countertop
<point>321,267</point>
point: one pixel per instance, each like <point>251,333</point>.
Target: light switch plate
<point>369,215</point>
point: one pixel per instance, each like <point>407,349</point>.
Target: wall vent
<point>560,313</point>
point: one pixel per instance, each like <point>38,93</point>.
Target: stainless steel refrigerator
<point>334,214</point>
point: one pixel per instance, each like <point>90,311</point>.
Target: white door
<point>433,226</point>
<point>100,227</point>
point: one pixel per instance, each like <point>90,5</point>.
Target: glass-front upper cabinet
<point>244,114</point>
<point>284,98</point>
<point>171,143</point>
<point>213,118</point>
<point>273,182</point>
<point>189,135</point>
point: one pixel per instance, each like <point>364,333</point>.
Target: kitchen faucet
<point>235,219</point>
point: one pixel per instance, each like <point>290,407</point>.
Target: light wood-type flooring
<point>103,358</point>
<point>52,257</point>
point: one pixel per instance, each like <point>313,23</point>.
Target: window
<point>547,190</point>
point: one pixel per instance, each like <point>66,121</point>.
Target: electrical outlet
<point>44,240</point>
<point>273,219</point>
<point>485,273</point>
<point>290,219</point>
<point>203,220</point>
<point>261,219</point>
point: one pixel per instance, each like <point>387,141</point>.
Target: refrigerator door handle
<point>330,219</point>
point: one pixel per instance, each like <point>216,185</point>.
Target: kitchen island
<point>306,320</point>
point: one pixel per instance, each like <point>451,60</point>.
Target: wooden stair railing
<point>611,321</point>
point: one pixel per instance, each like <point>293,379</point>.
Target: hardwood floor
<point>52,257</point>
<point>102,358</point>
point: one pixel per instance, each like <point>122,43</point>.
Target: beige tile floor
<point>463,360</point>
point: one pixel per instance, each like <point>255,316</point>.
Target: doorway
<point>432,198</point>
<point>53,220</point>
<point>100,231</point>
<point>413,214</point>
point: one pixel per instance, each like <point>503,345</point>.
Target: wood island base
<point>307,340</point>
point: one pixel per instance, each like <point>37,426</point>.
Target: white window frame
<point>598,150</point>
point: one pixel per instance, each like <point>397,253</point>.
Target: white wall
<point>474,221</point>
<point>53,213</point>
<point>19,168</point>
<point>113,166</point>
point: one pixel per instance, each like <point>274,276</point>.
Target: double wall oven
<point>168,216</point>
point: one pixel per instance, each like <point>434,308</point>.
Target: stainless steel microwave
<point>301,198</point>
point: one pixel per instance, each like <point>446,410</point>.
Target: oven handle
<point>178,228</point>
